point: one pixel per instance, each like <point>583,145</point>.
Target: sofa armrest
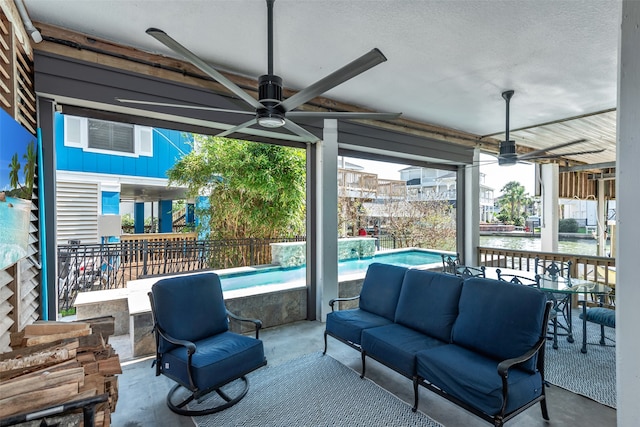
<point>333,301</point>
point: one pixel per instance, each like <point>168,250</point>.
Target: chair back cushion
<point>428,302</point>
<point>189,307</point>
<point>499,319</point>
<point>381,288</point>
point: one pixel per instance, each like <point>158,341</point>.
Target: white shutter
<point>75,131</point>
<point>76,212</point>
<point>144,140</point>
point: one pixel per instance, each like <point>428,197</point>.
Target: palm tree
<point>513,201</point>
<point>14,178</point>
<point>30,167</point>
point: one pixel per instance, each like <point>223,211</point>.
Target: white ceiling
<point>448,61</point>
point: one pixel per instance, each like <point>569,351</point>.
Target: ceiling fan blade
<point>166,40</point>
<point>343,115</point>
<point>352,69</point>
<point>576,153</point>
<point>190,107</point>
<point>300,131</point>
<point>544,151</point>
<point>238,128</point>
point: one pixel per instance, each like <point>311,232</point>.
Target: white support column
<point>628,206</point>
<point>327,219</point>
<point>601,219</point>
<point>472,211</point>
<point>549,174</point>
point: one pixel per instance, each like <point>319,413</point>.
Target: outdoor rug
<point>314,390</point>
<point>593,374</point>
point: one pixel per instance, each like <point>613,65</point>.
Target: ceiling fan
<point>508,155</point>
<point>270,110</point>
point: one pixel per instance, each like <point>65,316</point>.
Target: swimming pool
<point>276,275</point>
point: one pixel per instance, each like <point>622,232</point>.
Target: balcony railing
<point>90,267</point>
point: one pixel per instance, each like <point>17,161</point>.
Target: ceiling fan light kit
<point>271,110</point>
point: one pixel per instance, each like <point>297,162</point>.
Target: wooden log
<point>46,379</point>
<point>20,362</point>
<point>37,399</point>
<point>41,327</point>
<point>110,366</point>
<point>32,340</point>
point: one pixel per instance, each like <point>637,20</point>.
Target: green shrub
<point>568,225</point>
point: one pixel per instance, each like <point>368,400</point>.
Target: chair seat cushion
<point>217,360</point>
<point>349,324</point>
<point>474,378</point>
<point>396,346</point>
<point>602,316</point>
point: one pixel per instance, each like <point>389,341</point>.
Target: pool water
<point>274,275</point>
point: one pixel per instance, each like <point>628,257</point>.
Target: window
<point>110,136</point>
<point>102,136</point>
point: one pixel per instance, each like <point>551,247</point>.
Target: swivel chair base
<point>179,408</point>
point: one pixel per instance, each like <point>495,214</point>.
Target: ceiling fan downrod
<point>270,85</point>
<point>507,147</point>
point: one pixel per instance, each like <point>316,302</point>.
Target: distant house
<point>100,164</point>
<point>438,184</point>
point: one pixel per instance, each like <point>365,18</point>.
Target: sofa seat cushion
<point>428,302</point>
<point>348,324</point>
<point>474,378</point>
<point>396,346</point>
<point>217,360</point>
<point>602,316</point>
<point>499,319</point>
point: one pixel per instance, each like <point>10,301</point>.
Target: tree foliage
<point>427,223</point>
<point>254,189</point>
<point>513,203</point>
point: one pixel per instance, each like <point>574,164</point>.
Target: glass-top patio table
<point>561,291</point>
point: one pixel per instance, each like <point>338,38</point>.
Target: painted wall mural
<point>18,160</point>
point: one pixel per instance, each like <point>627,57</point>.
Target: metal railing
<point>91,267</point>
<point>587,267</point>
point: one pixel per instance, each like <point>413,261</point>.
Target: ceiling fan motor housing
<point>270,95</point>
<point>508,154</point>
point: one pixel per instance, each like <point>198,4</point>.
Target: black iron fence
<point>91,267</point>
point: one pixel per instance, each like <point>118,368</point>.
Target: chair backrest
<point>450,262</point>
<point>518,279</point>
<point>189,307</point>
<point>466,271</point>
<point>500,320</point>
<point>381,288</point>
<point>553,268</point>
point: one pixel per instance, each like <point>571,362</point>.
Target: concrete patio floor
<point>141,400</point>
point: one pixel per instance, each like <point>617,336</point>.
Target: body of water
<point>273,275</point>
<point>565,246</point>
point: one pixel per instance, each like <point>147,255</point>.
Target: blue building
<point>103,166</point>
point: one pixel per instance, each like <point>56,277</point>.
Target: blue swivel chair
<point>194,346</point>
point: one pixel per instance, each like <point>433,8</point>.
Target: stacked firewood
<point>53,363</point>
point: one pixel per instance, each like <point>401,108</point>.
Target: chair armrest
<point>257,322</point>
<point>333,301</point>
<point>505,365</point>
<point>191,347</point>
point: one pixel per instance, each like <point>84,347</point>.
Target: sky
<point>496,176</point>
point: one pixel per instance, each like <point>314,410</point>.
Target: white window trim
<point>140,133</point>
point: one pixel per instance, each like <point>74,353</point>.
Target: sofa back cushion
<point>428,303</point>
<point>381,288</point>
<point>499,319</point>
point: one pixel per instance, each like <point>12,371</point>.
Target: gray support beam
<point>472,211</point>
<point>628,206</point>
<point>311,225</point>
<point>46,124</point>
<point>550,192</point>
<point>327,218</point>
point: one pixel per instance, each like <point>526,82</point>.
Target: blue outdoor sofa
<point>477,342</point>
